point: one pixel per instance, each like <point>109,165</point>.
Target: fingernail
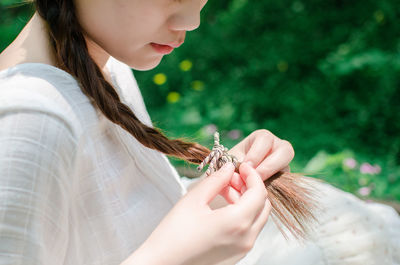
<point>250,163</point>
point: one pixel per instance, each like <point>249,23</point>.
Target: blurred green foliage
<point>325,75</point>
<point>14,14</point>
<point>356,173</point>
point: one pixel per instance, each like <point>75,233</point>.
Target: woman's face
<point>136,32</point>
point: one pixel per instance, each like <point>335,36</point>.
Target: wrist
<point>141,256</point>
<point>149,255</point>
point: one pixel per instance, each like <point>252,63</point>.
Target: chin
<point>145,66</point>
<point>141,63</point>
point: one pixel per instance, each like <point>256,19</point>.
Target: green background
<point>322,74</point>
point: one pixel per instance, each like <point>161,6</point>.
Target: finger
<point>237,182</point>
<point>276,161</point>
<point>243,190</point>
<point>286,169</point>
<point>253,199</point>
<point>212,185</point>
<point>230,194</point>
<point>262,218</point>
<point>260,147</point>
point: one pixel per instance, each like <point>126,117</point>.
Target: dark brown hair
<point>291,200</point>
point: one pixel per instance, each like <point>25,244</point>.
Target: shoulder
<point>39,88</point>
<point>36,126</point>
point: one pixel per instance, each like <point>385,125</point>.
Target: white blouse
<point>76,189</point>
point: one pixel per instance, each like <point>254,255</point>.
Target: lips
<point>165,48</point>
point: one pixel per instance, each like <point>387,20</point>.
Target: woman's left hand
<point>265,152</point>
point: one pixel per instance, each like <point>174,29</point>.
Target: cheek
<point>119,26</point>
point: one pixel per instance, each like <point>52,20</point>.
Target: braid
<point>72,56</point>
<point>290,196</point>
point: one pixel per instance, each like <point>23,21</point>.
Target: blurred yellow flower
<point>197,85</point>
<point>173,97</point>
<point>185,65</point>
<point>282,66</point>
<point>160,79</point>
<point>379,16</point>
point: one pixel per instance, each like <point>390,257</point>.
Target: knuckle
<point>238,230</point>
<point>235,213</point>
<point>263,132</point>
<point>289,147</point>
<point>264,171</point>
<point>247,245</point>
<point>243,227</point>
<point>240,226</point>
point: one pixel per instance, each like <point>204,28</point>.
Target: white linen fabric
<point>74,187</point>
<point>77,189</point>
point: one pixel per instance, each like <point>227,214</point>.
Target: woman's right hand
<point>192,233</point>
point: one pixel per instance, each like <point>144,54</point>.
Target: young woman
<point>83,174</point>
<point>82,178</point>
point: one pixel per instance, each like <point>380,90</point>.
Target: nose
<point>187,18</point>
<point>192,23</point>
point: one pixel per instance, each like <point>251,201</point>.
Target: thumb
<point>212,185</point>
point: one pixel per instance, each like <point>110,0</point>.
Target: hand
<point>192,233</point>
<point>265,152</point>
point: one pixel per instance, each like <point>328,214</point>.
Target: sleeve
<point>36,156</point>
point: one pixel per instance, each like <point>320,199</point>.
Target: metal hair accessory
<point>218,157</point>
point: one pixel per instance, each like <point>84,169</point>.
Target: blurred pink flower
<point>234,134</point>
<point>364,191</point>
<point>210,129</point>
<point>378,169</point>
<point>350,163</point>
<point>367,168</point>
